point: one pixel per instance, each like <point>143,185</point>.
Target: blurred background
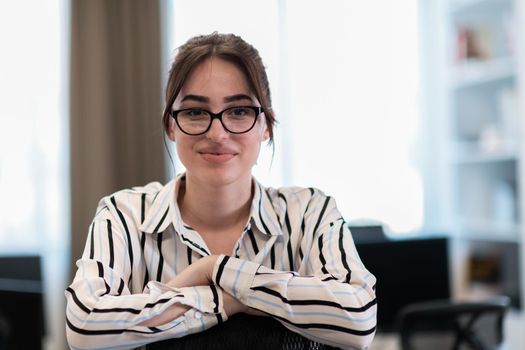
<point>410,113</point>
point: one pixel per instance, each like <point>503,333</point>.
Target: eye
<point>239,111</point>
<point>194,114</point>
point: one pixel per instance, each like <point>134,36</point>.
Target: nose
<point>216,132</point>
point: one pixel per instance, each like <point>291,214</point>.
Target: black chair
<point>242,332</point>
<point>449,325</point>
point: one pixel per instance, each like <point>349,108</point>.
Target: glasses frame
<point>256,109</point>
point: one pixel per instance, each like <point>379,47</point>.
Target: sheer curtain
<point>344,77</point>
<point>34,214</point>
<point>353,92</point>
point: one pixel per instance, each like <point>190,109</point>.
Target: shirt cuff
<point>198,320</point>
<point>234,276</point>
<point>206,299</point>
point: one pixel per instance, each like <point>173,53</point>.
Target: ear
<point>266,133</point>
<point>171,130</point>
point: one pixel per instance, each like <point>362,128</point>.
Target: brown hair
<point>228,47</point>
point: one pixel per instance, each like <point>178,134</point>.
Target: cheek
<point>252,146</point>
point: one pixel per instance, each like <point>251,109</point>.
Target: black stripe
<point>146,274</point>
<point>142,208</point>
<point>343,253</point>
<point>155,197</point>
<point>120,287</point>
<point>321,256</point>
<point>100,269</point>
<point>320,218</point>
<point>104,331</point>
<point>77,301</point>
<point>131,310</point>
<point>146,279</point>
<point>195,245</point>
<point>118,309</point>
<point>92,248</point>
<point>314,301</point>
<point>272,256</point>
<point>252,240</point>
<point>303,224</point>
<point>189,251</point>
<point>161,220</point>
<point>260,212</point>
<point>216,301</point>
<point>237,255</point>
<point>271,202</point>
<point>329,278</point>
<point>289,229</point>
<point>161,258</point>
<point>130,247</point>
<point>328,326</point>
<point>110,238</point>
<point>221,269</point>
<point>101,275</point>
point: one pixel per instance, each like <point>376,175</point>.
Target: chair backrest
<point>242,331</point>
<point>453,325</point>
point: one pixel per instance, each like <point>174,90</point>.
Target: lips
<point>217,155</point>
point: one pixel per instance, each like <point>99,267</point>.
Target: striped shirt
<point>295,260</point>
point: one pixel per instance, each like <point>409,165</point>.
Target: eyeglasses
<point>197,121</point>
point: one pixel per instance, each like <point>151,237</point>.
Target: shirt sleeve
<point>101,311</point>
<point>334,303</point>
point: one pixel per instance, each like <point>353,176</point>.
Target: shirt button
<point>198,315</point>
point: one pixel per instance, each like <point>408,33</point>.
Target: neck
<point>213,209</point>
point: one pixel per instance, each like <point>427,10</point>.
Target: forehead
<point>216,76</point>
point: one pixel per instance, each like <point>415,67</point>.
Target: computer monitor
<point>407,271</point>
<point>21,303</point>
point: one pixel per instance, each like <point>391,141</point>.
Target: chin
<point>221,176</point>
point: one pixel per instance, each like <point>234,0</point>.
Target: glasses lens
<point>239,119</point>
<point>193,121</point>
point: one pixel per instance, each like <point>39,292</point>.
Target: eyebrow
<point>237,97</point>
<point>227,99</point>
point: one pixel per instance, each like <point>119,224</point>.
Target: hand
<point>197,274</point>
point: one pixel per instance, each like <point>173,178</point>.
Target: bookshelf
<point>482,87</point>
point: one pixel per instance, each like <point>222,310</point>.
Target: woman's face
<point>218,157</point>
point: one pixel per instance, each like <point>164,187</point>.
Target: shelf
<point>466,7</point>
<point>487,230</point>
<point>480,158</point>
<point>475,73</point>
<point>472,153</point>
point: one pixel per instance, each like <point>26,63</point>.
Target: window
<point>34,181</point>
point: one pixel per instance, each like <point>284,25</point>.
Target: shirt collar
<point>263,213</point>
<point>160,214</point>
<point>164,210</point>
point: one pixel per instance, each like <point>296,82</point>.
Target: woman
<point>167,261</point>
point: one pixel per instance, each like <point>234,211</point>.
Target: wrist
<point>209,267</point>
